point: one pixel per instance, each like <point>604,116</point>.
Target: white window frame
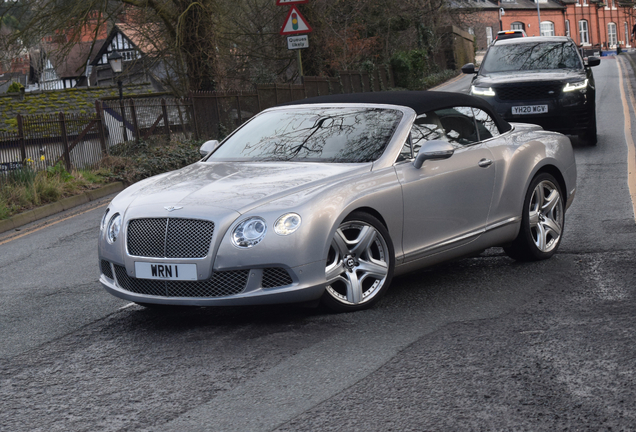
<point>567,28</point>
<point>612,37</point>
<point>488,35</point>
<point>627,35</point>
<point>584,33</point>
<point>517,25</point>
<point>547,28</point>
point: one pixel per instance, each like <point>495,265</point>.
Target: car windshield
<point>531,56</point>
<point>345,135</point>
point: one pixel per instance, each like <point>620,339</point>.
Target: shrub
<point>131,161</point>
<point>15,87</point>
<point>59,171</point>
<point>411,68</point>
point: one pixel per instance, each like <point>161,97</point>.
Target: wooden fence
<point>42,140</point>
<point>82,140</point>
<point>219,113</point>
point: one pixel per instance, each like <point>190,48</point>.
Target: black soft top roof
<point>419,101</point>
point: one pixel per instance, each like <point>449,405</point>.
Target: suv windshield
<point>344,135</point>
<point>531,56</point>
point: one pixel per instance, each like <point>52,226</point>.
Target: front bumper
<point>570,113</point>
<point>255,286</point>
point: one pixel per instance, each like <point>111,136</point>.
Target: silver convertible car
<point>326,199</point>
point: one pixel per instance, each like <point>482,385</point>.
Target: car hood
<point>564,75</point>
<point>238,186</point>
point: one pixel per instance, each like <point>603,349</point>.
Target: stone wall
<point>459,47</point>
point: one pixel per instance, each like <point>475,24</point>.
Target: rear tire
<point>542,221</point>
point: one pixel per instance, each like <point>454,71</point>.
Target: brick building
<point>591,23</point>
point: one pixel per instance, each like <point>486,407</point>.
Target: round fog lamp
<point>114,226</point>
<point>250,232</point>
<point>287,224</point>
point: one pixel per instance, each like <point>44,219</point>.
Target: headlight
<point>249,233</point>
<point>287,224</point>
<point>103,224</point>
<point>113,228</point>
<point>581,85</point>
<point>482,91</point>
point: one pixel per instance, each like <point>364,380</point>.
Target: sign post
<point>295,24</point>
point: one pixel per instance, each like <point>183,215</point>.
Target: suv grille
<point>169,237</point>
<point>520,92</point>
<point>221,284</point>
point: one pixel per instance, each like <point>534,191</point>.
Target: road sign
<point>288,2</point>
<point>297,42</point>
<point>295,23</point>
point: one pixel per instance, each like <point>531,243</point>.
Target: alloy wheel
<point>546,216</point>
<point>358,263</point>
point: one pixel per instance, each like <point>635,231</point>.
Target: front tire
<point>542,221</point>
<point>359,264</point>
<point>590,134</point>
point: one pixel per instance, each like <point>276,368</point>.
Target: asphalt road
<point>477,344</point>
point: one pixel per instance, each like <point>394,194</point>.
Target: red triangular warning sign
<point>295,23</point>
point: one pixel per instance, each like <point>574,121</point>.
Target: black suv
<point>540,80</point>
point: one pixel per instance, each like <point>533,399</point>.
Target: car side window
<point>485,125</point>
<point>406,152</point>
<point>459,125</point>
<point>426,127</point>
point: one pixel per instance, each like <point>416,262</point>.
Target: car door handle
<point>484,163</point>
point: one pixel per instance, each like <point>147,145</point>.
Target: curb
<point>50,209</point>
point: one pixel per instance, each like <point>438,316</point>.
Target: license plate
<point>530,109</point>
<point>144,270</point>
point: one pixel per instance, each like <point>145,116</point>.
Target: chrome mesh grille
<point>169,237</point>
<point>147,237</point>
<point>275,277</point>
<point>106,270</point>
<point>519,92</point>
<point>219,285</point>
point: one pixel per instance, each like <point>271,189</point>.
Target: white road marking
<point>127,306</point>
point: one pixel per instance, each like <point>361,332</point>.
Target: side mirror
<point>468,68</point>
<point>593,61</point>
<point>433,150</point>
<point>208,147</point>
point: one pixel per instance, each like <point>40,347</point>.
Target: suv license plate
<point>530,109</point>
<point>144,270</point>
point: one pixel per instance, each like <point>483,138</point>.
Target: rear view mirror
<point>208,147</point>
<point>433,150</point>
<point>593,61</point>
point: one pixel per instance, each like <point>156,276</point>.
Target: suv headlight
<point>250,232</point>
<point>482,91</point>
<point>580,85</point>
<point>114,226</point>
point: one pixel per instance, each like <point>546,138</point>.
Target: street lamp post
<point>115,60</point>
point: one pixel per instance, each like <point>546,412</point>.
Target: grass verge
<point>24,189</point>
